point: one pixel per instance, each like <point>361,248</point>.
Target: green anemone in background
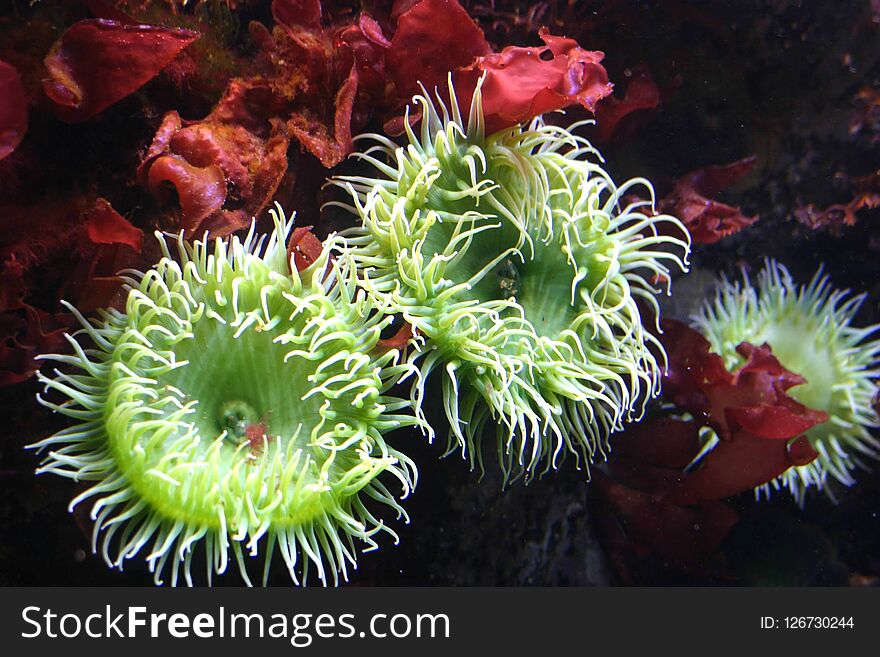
<point>810,330</point>
<point>236,404</point>
<point>519,264</point>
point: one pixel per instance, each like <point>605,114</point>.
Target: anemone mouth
<point>239,403</point>
<point>519,262</point>
<point>810,330</point>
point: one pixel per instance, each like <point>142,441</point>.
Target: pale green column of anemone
<point>236,405</point>
<point>809,328</point>
<point>518,261</point>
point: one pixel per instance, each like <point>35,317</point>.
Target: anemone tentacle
<point>810,330</point>
<point>519,263</point>
<point>237,403</point>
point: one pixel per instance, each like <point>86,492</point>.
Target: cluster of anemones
<point>519,264</point>
<point>241,400</point>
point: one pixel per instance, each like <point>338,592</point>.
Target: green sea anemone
<point>519,264</point>
<point>810,331</point>
<point>238,404</point>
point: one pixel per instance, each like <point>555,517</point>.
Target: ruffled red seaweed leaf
<point>752,398</point>
<point>13,109</point>
<point>106,226</point>
<point>318,84</point>
<point>637,521</point>
<point>25,331</point>
<point>433,37</point>
<point>691,201</point>
<point>641,94</point>
<point>740,464</point>
<point>661,481</point>
<point>313,132</point>
<point>866,196</point>
<point>367,44</point>
<point>219,174</point>
<point>113,242</point>
<point>97,62</point>
<point>522,83</point>
<point>70,249</point>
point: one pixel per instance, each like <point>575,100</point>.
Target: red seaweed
<point>433,37</point>
<point>612,114</point>
<point>73,248</point>
<point>13,109</point>
<point>98,62</point>
<point>659,479</point>
<point>866,196</point>
<point>218,172</point>
<point>691,201</point>
<point>522,83</point>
